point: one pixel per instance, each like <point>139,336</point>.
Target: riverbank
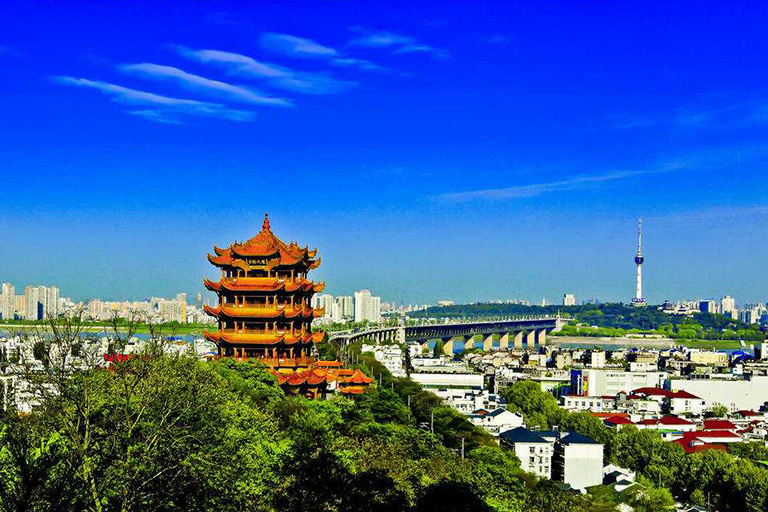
<point>7,329</point>
<point>657,343</point>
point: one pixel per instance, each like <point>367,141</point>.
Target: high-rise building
<point>51,303</point>
<point>708,306</point>
<point>639,300</point>
<point>8,301</point>
<point>569,299</point>
<point>33,309</point>
<point>346,306</point>
<point>728,307</point>
<point>367,307</point>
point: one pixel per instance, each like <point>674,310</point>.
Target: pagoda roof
<point>266,245</point>
<point>310,376</point>
<point>263,284</point>
<point>272,312</point>
<point>358,377</point>
<point>263,338</point>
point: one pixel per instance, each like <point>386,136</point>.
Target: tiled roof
<point>521,435</point>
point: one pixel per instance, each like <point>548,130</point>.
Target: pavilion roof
<point>266,245</point>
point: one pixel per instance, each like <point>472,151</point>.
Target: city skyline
<point>523,180</point>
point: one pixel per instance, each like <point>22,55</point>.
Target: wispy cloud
<point>201,84</point>
<point>498,39</point>
<point>381,39</point>
<point>164,109</point>
<point>275,76</point>
<point>296,46</point>
<point>537,189</point>
<point>719,158</point>
<point>422,48</point>
<point>714,213</point>
<point>709,112</point>
<point>352,62</point>
<point>399,44</point>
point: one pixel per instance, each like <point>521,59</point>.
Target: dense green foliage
<point>613,320</point>
<point>167,433</point>
<point>727,482</point>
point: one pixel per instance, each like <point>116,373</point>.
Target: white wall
<point>734,394</point>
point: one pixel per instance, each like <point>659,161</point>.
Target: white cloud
<point>164,108</point>
<point>381,39</point>
<point>273,75</point>
<point>537,189</point>
<point>399,44</point>
<point>351,62</point>
<point>201,84</point>
<point>296,46</point>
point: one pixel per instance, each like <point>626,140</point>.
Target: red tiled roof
<point>674,420</point>
<point>618,420</point>
<point>715,424</point>
<point>648,391</point>
<point>609,414</point>
<point>725,434</point>
<point>690,447</point>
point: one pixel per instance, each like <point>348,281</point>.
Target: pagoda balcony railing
<point>279,307</point>
<point>265,331</point>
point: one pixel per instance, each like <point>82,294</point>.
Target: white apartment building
<point>578,461</point>
<point>8,301</point>
<point>728,307</point>
<point>569,299</point>
<point>391,356</point>
<point>367,307</point>
<point>594,382</point>
<point>534,452</point>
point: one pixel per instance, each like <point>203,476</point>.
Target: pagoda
<point>265,312</point>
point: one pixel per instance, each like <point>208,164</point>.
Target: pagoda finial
<point>265,225</point>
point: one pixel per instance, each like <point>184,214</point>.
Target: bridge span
<point>511,333</point>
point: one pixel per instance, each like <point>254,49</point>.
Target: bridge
<point>512,332</point>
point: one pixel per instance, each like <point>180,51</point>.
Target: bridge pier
<point>469,342</point>
<point>519,340</point>
<point>447,346</point>
<point>541,337</point>
<point>504,341</point>
<point>530,338</point>
<point>488,343</point>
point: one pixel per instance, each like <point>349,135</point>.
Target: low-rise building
<point>534,451</point>
<point>578,461</point>
<point>496,421</point>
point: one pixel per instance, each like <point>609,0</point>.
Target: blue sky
<point>454,150</point>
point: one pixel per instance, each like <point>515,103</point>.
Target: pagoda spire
<point>265,225</point>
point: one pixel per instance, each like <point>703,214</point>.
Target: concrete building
<point>497,421</point>
<point>709,358</point>
<point>391,356</point>
<point>728,307</point>
<point>708,306</point>
<point>595,382</point>
<point>569,299</point>
<point>534,452</point>
<point>735,394</point>
<point>595,358</point>
<point>367,307</point>
<point>33,309</point>
<point>578,461</point>
<point>8,302</point>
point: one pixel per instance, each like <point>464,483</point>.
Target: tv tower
<point>639,300</point>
